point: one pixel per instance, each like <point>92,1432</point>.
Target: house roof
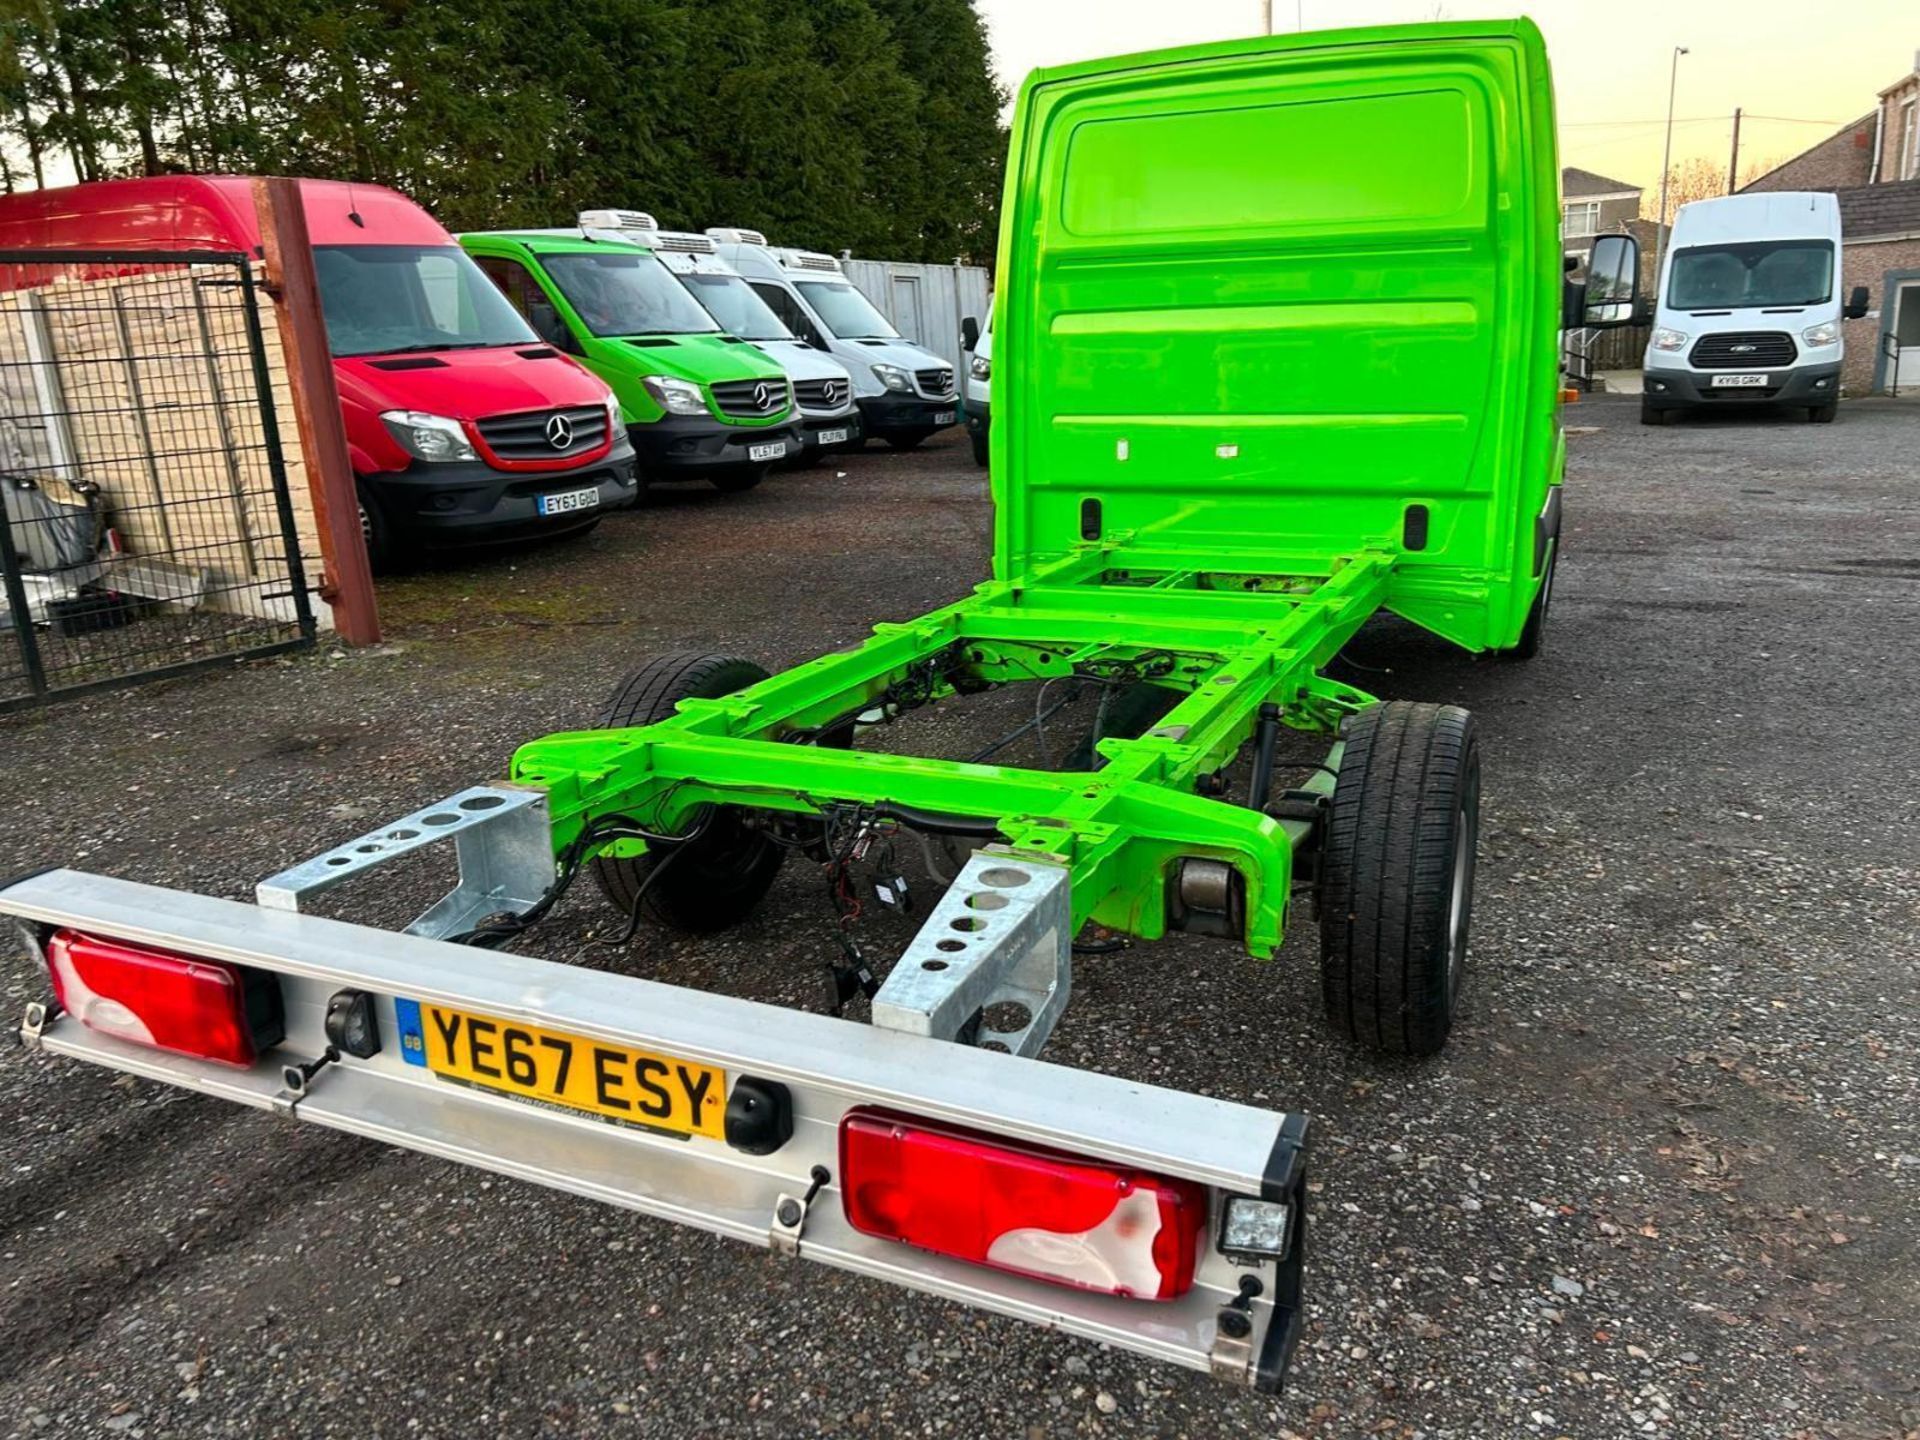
<point>1870,210</point>
<point>1574,182</point>
<point>1852,127</point>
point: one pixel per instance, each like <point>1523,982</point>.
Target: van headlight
<point>616,426</point>
<point>980,367</point>
<point>1825,333</point>
<point>676,397</point>
<point>894,378</point>
<point>1665,339</point>
<point>428,437</point>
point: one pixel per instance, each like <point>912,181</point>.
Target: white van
<point>905,393</point>
<point>1749,307</point>
<point>978,345</point>
<point>822,390</point>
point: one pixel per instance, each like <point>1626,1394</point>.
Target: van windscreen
<point>736,305</point>
<point>623,292</point>
<point>395,299</point>
<point>1752,274</point>
<point>848,314</point>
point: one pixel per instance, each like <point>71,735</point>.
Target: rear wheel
<point>715,880</point>
<point>1823,414</point>
<point>1127,714</point>
<point>1396,892</point>
<point>744,477</point>
<point>980,448</point>
<point>1533,635</point>
<point>1653,415</point>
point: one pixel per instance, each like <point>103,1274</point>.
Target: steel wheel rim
<point>1460,891</point>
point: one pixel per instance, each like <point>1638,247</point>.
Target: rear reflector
<point>204,1008</point>
<point>1027,1210</point>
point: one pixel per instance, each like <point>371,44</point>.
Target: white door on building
<point>1906,334</point>
<point>906,307</point>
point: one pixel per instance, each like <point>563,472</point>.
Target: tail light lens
<point>204,1008</point>
<point>1027,1210</point>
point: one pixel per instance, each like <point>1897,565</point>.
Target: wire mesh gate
<point>148,523</point>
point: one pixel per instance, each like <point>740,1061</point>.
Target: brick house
<point>1873,166</point>
<point>1592,204</point>
<point>1880,230</point>
<point>1898,157</point>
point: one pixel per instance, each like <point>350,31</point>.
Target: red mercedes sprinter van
<point>463,425</point>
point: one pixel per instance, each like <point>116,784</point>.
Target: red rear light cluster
<point>204,1008</point>
<point>1030,1211</point>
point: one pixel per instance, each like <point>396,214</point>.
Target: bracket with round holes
<point>1000,938</point>
<point>502,836</point>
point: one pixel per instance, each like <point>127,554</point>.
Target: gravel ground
<point>1663,1181</point>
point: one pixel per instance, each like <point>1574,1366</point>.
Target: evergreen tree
<point>870,125</point>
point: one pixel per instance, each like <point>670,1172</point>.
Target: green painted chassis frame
<point>1237,638</point>
<point>1474,286</point>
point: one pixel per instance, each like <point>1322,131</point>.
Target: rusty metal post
<point>346,581</point>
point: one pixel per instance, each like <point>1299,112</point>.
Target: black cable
<point>646,884</point>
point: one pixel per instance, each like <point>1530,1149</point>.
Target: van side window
<point>781,302</point>
<point>512,278</point>
<point>526,296</point>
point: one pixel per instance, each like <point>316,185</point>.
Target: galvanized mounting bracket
<point>1231,1356</point>
<point>1002,934</point>
<point>790,1215</point>
<point>503,840</point>
<point>32,1023</point>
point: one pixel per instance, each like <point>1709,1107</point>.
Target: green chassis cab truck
<point>699,404</point>
<point>1277,336</point>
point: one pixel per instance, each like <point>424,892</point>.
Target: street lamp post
<point>1666,165</point>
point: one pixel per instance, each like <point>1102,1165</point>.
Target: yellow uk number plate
<point>641,1088</point>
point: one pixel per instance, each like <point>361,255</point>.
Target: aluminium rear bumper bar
<point>829,1066</point>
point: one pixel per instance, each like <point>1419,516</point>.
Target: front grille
<point>820,394</point>
<point>1744,350</point>
<point>750,399</point>
<point>935,382</point>
<point>529,435</point>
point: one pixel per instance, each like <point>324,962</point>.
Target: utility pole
<point>1733,165</point>
<point>1666,166</point>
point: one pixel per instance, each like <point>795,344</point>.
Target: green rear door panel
<point>1269,294</point>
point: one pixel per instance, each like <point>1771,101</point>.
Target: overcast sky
<point>1824,60</point>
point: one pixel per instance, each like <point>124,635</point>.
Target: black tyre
<point>377,534</point>
<point>1652,415</point>
<point>1396,895</point>
<point>1130,713</point>
<point>907,439</point>
<point>1823,414</point>
<point>714,881</point>
<point>980,450</point>
<point>744,477</point>
<point>1533,635</point>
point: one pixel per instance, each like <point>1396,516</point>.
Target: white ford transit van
<point>1749,307</point>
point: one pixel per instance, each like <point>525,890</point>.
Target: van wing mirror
<point>1856,306</point>
<point>969,334</point>
<point>1613,282</point>
<point>548,325</point>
